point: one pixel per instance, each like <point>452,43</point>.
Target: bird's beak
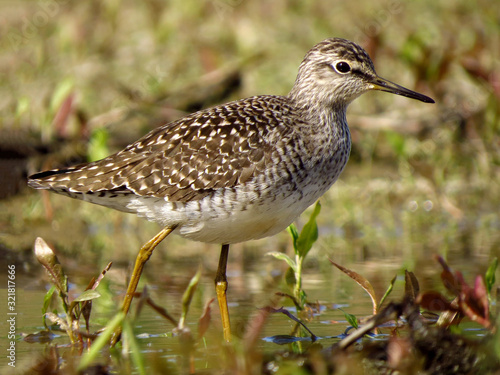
<point>384,85</point>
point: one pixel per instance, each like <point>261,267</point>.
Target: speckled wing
<point>185,160</point>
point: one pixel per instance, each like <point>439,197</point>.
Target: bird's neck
<point>324,127</point>
<point>319,111</point>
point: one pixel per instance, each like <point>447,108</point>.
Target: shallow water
<point>248,292</point>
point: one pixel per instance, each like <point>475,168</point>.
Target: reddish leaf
<point>95,283</point>
<point>162,311</point>
<point>411,286</point>
<point>471,302</point>
<point>435,301</point>
<point>253,331</point>
<point>205,319</point>
<point>62,115</point>
<point>86,306</point>
<point>42,337</point>
<point>362,281</point>
<point>449,280</point>
<point>481,292</point>
<point>474,301</point>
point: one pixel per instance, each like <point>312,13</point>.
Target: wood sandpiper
<point>238,171</point>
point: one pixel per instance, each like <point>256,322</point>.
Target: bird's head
<point>336,71</point>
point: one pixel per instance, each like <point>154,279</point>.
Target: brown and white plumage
<point>241,170</point>
<point>229,165</point>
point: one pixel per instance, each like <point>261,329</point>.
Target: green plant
<point>302,244</point>
<point>74,309</point>
<point>80,306</point>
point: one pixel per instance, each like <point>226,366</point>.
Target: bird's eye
<point>342,67</point>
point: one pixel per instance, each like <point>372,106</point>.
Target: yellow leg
<point>140,261</point>
<point>220,289</point>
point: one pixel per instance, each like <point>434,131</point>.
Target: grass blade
<point>188,296</point>
<point>135,350</point>
<point>388,290</point>
<point>101,342</point>
<point>489,277</point>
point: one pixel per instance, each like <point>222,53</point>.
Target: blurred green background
<point>81,79</point>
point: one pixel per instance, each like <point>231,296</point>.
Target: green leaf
<point>47,298</point>
<point>351,319</point>
<point>62,90</point>
<point>292,228</point>
<point>46,303</point>
<point>98,145</point>
<point>397,142</point>
<point>309,233</point>
<point>188,296</point>
<point>23,106</point>
<point>286,258</point>
<point>489,277</point>
<point>388,291</point>
<point>88,295</point>
<point>135,350</point>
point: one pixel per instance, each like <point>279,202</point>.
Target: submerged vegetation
<point>420,193</point>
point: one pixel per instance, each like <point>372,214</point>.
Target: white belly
<point>227,217</point>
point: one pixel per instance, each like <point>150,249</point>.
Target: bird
<point>238,171</point>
